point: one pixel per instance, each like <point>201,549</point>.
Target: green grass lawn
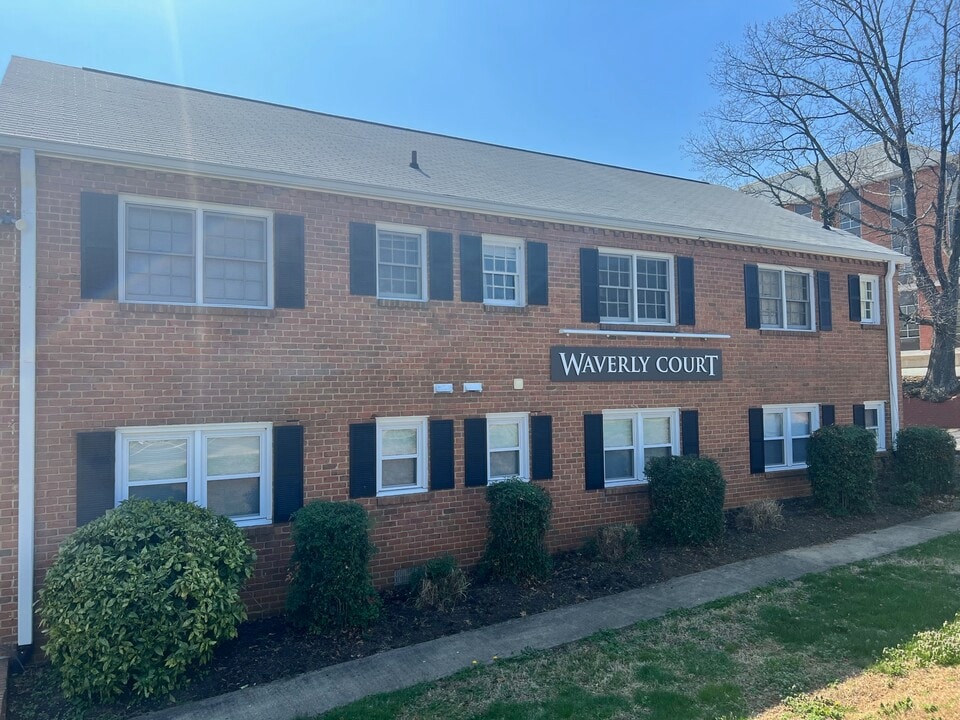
<point>804,650</point>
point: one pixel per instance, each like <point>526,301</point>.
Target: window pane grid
<point>634,288</point>
<point>399,268</point>
<point>501,272</point>
<point>615,287</point>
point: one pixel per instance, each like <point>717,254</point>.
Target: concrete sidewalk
<point>322,690</point>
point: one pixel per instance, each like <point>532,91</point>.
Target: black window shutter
<point>824,307</point>
<point>853,296</point>
<point>440,252</point>
<point>471,269</point>
<point>593,451</point>
<point>288,261</point>
<point>96,474</point>
<point>475,452</point>
<point>751,295</point>
<point>99,245</point>
<point>363,259</point>
<point>541,440</point>
<point>859,415</point>
<point>590,286</point>
<point>363,460</point>
<point>537,279</point>
<point>689,432</point>
<point>441,454</point>
<point>755,417</point>
<point>828,415</point>
<point>287,471</point>
<point>686,298</point>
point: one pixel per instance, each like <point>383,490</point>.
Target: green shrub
<point>842,468</point>
<point>140,596</point>
<point>617,543</point>
<point>686,499</point>
<point>331,587</point>
<point>439,584</point>
<point>925,456</point>
<point>760,515</point>
<point>519,519</point>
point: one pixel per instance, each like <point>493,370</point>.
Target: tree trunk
<point>940,381</point>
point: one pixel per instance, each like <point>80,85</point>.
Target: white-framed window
<point>632,437</point>
<point>507,446</point>
<point>875,421</point>
<point>195,254</point>
<point>636,288</point>
<point>869,299</point>
<point>503,270</point>
<point>786,434</point>
<point>850,213</point>
<point>401,262</point>
<point>786,298</point>
<point>225,468</point>
<point>401,455</point>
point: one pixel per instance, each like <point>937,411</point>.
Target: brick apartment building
<point>252,306</point>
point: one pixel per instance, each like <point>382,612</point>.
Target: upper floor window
<point>850,213</point>
<point>632,437</point>
<point>225,468</point>
<point>869,299</point>
<point>401,455</point>
<point>636,288</point>
<point>195,255</point>
<point>401,270</point>
<point>786,298</point>
<point>786,434</point>
<point>503,270</point>
<point>805,209</point>
<point>507,454</point>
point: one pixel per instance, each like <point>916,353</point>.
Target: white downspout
<point>893,373</point>
<point>28,396</point>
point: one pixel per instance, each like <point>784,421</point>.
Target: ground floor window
<point>875,421</point>
<point>507,454</point>
<point>786,434</point>
<point>225,468</point>
<point>401,455</point>
<point>632,437</point>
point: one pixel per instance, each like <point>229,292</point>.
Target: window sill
<point>399,303</point>
<point>786,473</point>
<point>623,325</point>
<point>130,309</point>
<point>411,498</point>
<point>506,309</point>
<point>871,326</point>
<point>634,489</point>
<point>784,331</point>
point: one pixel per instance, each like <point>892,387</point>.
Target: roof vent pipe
<point>413,160</point>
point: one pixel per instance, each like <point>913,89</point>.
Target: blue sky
<point>619,82</point>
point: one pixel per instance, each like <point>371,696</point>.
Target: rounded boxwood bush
<point>519,520</point>
<point>686,498</point>
<point>140,596</point>
<point>331,586</point>
<point>925,457</point>
<point>842,468</point>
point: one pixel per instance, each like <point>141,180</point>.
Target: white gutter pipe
<point>27,225</point>
<point>893,372</point>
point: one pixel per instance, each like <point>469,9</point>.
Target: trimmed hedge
<point>519,519</point>
<point>842,468</point>
<point>925,456</point>
<point>140,596</point>
<point>686,499</point>
<point>331,586</point>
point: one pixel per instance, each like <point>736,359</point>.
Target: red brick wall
<point>9,350</point>
<point>347,359</point>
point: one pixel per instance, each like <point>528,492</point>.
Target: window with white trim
<point>632,437</point>
<point>507,443</point>
<point>849,208</point>
<point>869,299</point>
<point>192,254</point>
<point>875,419</point>
<point>786,434</point>
<point>401,266</point>
<point>503,270</point>
<point>636,288</point>
<point>401,455</point>
<point>786,298</point>
<point>225,468</point>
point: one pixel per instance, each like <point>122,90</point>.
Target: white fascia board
<point>375,192</point>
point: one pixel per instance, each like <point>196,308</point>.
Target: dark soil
<point>270,649</point>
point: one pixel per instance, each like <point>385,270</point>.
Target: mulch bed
<point>270,649</point>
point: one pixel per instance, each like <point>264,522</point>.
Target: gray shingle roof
<point>91,113</point>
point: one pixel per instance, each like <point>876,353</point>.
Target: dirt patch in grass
<point>270,649</point>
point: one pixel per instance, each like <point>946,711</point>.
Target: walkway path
<point>322,690</point>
